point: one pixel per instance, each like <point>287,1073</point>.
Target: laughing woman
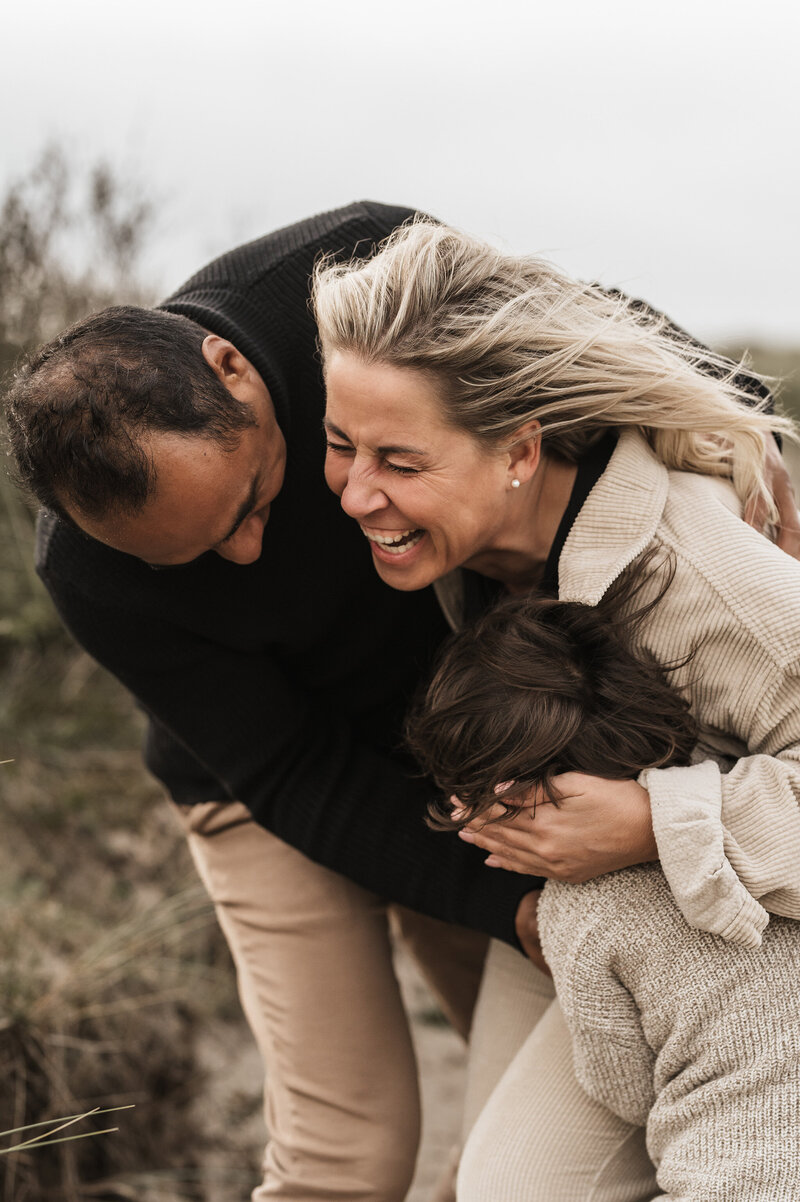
<point>498,428</point>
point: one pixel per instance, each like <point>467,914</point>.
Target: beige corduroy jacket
<point>729,843</point>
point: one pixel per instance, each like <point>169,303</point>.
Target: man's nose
<point>362,496</point>
<point>245,545</point>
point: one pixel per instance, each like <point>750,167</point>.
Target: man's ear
<point>525,451</point>
<point>228,364</point>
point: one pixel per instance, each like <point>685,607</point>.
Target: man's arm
<point>300,770</point>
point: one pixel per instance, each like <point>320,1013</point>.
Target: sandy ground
<point>231,1095</point>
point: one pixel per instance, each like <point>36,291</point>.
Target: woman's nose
<point>361,496</point>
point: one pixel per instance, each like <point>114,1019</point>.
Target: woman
<point>486,413</point>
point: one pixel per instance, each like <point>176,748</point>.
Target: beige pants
<point>534,1135</point>
<point>314,966</point>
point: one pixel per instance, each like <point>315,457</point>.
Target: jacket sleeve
<point>729,842</point>
<point>303,773</point>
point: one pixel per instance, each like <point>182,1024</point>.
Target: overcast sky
<point>651,145</point>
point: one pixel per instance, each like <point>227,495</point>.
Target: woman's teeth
<point>395,544</point>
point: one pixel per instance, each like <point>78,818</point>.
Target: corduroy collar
<point>616,522</point>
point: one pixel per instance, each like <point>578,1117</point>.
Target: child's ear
<point>525,452</point>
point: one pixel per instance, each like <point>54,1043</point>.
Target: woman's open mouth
<point>395,543</point>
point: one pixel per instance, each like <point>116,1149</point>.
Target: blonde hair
<point>508,339</point>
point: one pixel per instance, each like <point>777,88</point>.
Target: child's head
<point>537,687</point>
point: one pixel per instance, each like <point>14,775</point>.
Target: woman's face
<point>427,496</point>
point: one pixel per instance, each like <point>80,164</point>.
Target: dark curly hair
<point>80,406</point>
<point>537,687</point>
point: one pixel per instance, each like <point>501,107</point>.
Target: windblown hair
<point>537,687</point>
<point>81,407</point>
<point>508,339</point>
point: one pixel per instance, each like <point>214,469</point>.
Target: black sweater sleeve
<point>299,769</point>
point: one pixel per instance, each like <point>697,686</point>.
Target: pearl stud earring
<point>515,483</point>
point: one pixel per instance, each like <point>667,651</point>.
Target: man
<point>275,667</point>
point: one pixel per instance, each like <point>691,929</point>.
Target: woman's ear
<point>525,452</point>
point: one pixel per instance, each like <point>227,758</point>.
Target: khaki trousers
<point>314,965</point>
<point>534,1134</point>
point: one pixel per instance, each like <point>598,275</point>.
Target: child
<point>673,1029</point>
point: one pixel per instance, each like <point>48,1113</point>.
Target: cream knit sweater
<point>697,1038</point>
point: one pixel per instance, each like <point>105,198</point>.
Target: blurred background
<point>653,148</point>
<point>650,146</point>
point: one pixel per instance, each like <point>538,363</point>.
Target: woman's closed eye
<point>343,448</point>
<point>401,469</point>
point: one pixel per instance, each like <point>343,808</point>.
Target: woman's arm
<point>728,841</point>
<point>722,832</point>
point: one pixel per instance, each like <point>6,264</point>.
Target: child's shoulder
<point>610,915</point>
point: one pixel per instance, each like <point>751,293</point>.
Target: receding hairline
<point>126,508</point>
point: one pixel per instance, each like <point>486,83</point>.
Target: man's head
<point>151,435</point>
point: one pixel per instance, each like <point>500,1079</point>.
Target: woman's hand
<point>779,483</point>
<point>598,826</point>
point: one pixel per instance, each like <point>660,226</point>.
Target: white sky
<point>649,144</point>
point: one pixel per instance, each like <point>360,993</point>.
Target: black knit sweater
<point>282,683</point>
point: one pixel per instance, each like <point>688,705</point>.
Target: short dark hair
<point>79,406</point>
<point>537,687</point>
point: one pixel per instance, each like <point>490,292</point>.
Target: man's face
<point>206,498</point>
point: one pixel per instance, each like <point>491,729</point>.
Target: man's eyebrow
<point>246,507</point>
<point>386,450</point>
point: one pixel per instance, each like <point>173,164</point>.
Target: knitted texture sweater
<point>678,1030</point>
<point>283,683</point>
